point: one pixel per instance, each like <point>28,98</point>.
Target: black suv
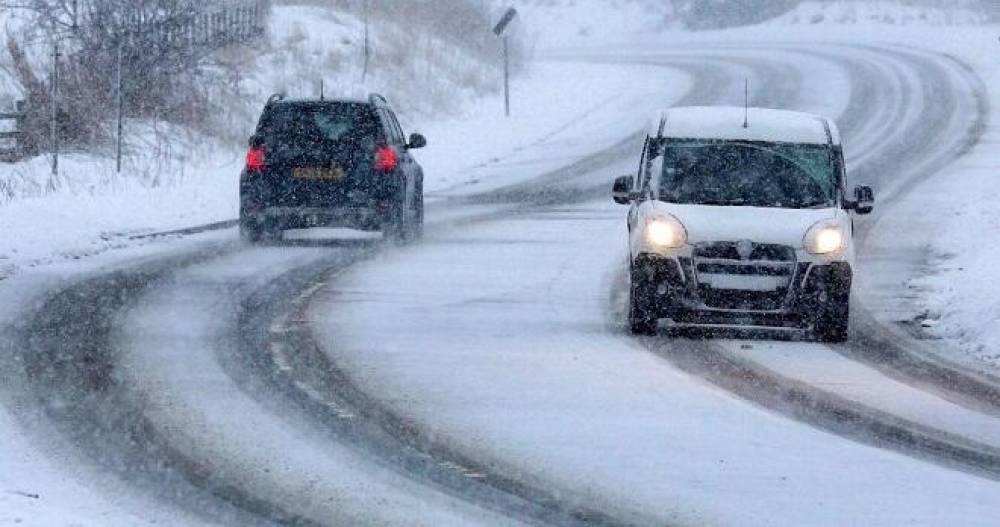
<point>331,163</point>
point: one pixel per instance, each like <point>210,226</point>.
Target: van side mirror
<point>416,141</point>
<point>864,200</point>
<point>622,191</point>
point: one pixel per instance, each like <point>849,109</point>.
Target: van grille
<point>776,263</point>
<point>729,251</point>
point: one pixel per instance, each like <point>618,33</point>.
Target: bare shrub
<point>161,45</point>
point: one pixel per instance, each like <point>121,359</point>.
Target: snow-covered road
<point>512,355</point>
<point>483,376</point>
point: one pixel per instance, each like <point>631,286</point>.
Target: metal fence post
<point>121,116</point>
<point>367,51</point>
<point>55,111</point>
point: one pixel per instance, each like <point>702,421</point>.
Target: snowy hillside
<point>175,176</point>
<point>421,73</point>
<point>883,12</point>
<point>553,23</point>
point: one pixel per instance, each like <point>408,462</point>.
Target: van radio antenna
<point>746,104</point>
<point>322,94</point>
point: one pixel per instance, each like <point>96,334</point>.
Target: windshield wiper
<point>724,203</point>
<point>811,205</point>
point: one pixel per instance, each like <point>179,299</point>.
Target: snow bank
<point>957,293</point>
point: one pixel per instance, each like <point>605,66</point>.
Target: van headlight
<point>665,232</point>
<point>826,237</point>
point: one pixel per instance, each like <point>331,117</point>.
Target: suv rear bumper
<point>679,297</point>
<point>284,218</point>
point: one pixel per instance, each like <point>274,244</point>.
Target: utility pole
<point>55,111</point>
<point>501,31</point>
<point>121,114</point>
<point>367,51</point>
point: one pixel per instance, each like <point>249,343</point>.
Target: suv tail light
<point>255,158</point>
<point>385,158</point>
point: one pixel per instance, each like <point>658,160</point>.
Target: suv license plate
<point>317,173</point>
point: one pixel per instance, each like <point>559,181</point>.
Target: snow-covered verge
<point>954,219</point>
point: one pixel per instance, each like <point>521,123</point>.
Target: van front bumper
<point>747,293</point>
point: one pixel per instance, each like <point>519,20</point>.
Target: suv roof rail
<point>377,99</point>
<point>829,132</point>
<point>276,98</point>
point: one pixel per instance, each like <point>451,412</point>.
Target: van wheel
<point>642,319</point>
<point>834,321</point>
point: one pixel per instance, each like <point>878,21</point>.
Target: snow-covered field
<point>952,222</point>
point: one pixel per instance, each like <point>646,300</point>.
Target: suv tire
<point>417,228</point>
<point>642,319</point>
<point>396,228</point>
<point>251,232</point>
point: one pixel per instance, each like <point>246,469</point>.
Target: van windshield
<point>747,174</point>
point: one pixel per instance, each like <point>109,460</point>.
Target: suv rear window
<point>315,125</point>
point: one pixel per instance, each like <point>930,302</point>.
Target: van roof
<point>726,123</point>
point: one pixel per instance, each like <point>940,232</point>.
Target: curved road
<point>287,385</point>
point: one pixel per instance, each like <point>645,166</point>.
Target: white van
<point>740,217</point>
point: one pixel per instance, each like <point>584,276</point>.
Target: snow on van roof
<point>726,122</point>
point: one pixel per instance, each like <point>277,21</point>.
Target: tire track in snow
<point>298,369</point>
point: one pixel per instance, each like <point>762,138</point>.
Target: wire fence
<point>230,21</point>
